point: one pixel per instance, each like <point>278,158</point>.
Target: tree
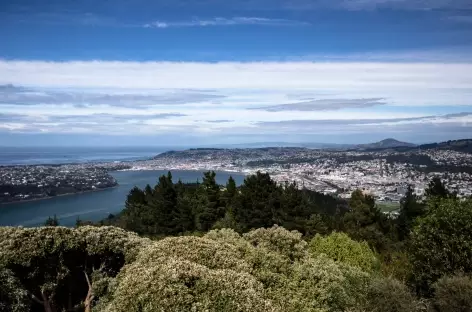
<point>79,222</point>
<point>52,221</point>
<point>183,215</point>
<point>436,188</point>
<point>60,268</point>
<point>212,207</point>
<point>410,209</point>
<point>258,202</point>
<point>441,243</point>
<point>231,188</point>
<point>365,222</point>
<point>135,196</point>
<point>13,298</point>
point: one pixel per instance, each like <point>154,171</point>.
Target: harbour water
<point>94,206</point>
<point>63,155</point>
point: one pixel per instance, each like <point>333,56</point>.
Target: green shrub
<point>321,284</point>
<point>396,264</point>
<point>13,298</point>
<point>441,243</point>
<point>171,284</point>
<point>340,247</point>
<point>389,295</point>
<point>210,253</point>
<point>278,239</point>
<point>453,294</point>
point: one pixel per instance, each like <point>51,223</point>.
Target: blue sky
<point>213,71</point>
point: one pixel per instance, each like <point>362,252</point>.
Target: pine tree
<point>212,207</point>
<point>52,221</point>
<point>436,189</point>
<point>410,209</point>
<point>258,203</point>
<point>162,205</point>
<point>231,187</point>
<point>365,221</point>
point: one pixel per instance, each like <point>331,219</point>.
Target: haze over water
<point>63,155</point>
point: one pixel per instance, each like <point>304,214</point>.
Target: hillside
<point>387,143</point>
<point>464,145</point>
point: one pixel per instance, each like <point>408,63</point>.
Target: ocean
<point>93,206</point>
<point>62,155</point>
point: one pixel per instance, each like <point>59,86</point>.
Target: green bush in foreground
<point>171,284</point>
<point>389,295</point>
<point>12,296</point>
<point>441,243</point>
<point>263,270</point>
<point>340,247</point>
<point>453,294</point>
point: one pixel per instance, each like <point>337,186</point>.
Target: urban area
<point>385,174</point>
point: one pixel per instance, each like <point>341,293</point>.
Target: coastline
<point>61,195</point>
<point>240,172</point>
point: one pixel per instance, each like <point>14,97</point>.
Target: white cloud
<point>186,97</point>
<point>222,21</point>
<point>338,76</point>
<point>411,84</point>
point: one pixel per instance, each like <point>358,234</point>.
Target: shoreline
<point>61,195</point>
<point>241,172</point>
<point>112,187</point>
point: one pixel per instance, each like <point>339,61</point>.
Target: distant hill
<point>314,145</point>
<point>464,146</point>
<point>385,144</point>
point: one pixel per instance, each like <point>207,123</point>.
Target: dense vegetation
<point>258,247</point>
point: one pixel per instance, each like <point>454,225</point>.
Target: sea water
<point>94,206</point>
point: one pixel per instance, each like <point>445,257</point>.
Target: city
<point>384,174</point>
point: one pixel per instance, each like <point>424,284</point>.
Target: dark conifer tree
<point>366,222</point>
<point>410,209</point>
<point>212,207</point>
<point>258,203</point>
<point>437,189</point>
<point>52,221</point>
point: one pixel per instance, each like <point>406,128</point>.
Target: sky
<point>206,72</point>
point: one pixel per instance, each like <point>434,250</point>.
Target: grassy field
<point>387,206</point>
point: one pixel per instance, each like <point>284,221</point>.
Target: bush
<point>453,294</point>
<point>13,298</point>
<point>441,243</point>
<point>389,295</point>
<point>210,253</point>
<point>340,247</point>
<point>321,284</point>
<point>278,239</point>
<point>396,264</point>
<point>50,262</point>
<point>171,284</point>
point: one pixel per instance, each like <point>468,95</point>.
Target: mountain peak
<point>386,143</point>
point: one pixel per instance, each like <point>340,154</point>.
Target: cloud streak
<point>10,94</point>
<point>222,21</point>
<point>325,104</point>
